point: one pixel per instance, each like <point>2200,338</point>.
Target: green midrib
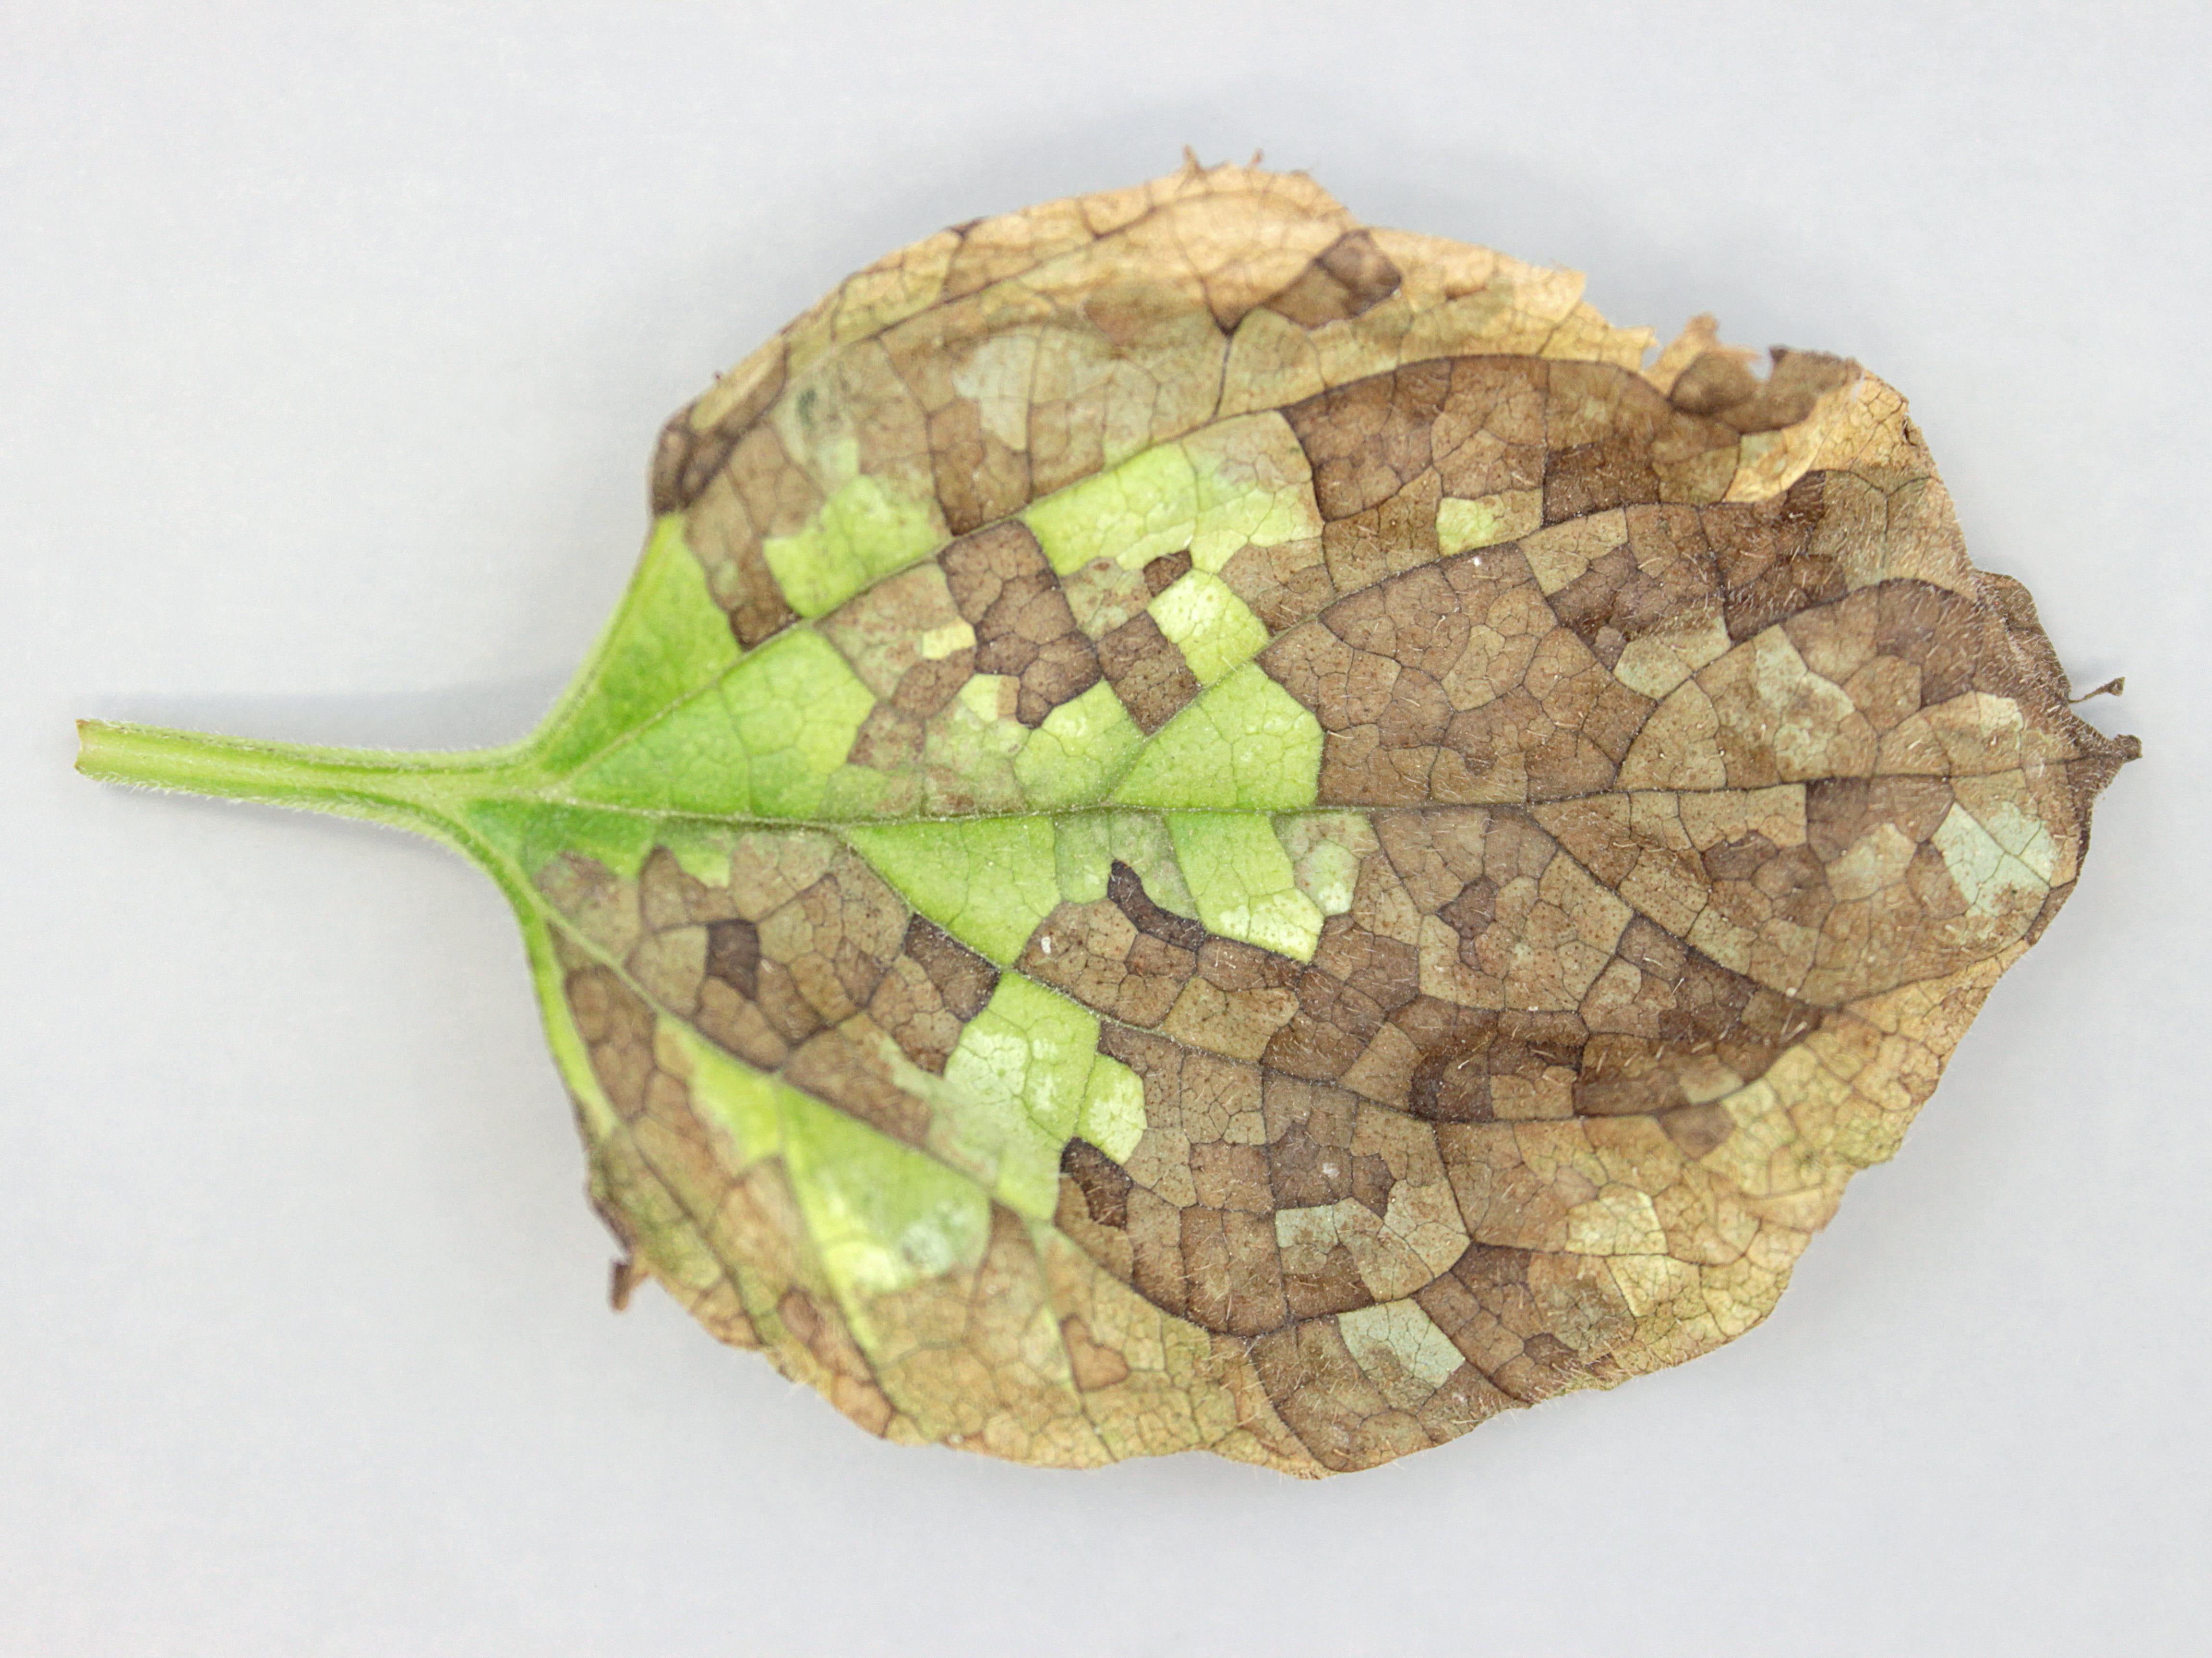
<point>432,791</point>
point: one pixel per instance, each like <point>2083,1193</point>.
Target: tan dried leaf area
<point>1208,827</point>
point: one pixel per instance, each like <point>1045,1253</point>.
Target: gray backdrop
<point>332,343</point>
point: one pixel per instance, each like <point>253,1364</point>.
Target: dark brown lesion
<point>868,984</point>
<point>1124,890</point>
<point>1767,560</point>
<point>687,456</point>
<point>1593,463</point>
<point>1503,1307</point>
<point>733,956</point>
<point>1348,278</point>
<point>756,492</point>
<point>1164,572</point>
<point>1008,592</point>
<point>1663,578</point>
<point>1468,1056</point>
<point>1103,1183</point>
<point>1148,672</point>
<point>931,992</point>
<point>1476,426</point>
<point>1719,386</point>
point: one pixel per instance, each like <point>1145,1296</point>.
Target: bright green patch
<point>762,744</point>
<point>987,881</point>
<point>1243,881</point>
<point>668,638</point>
<point>532,833</point>
<point>861,535</point>
<point>1245,742</point>
<point>1243,482</point>
<point>1083,746</point>
<point>1215,629</point>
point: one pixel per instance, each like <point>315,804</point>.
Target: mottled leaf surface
<point>1207,827</point>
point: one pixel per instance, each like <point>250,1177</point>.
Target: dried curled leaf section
<point>1209,827</point>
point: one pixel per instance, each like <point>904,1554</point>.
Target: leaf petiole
<point>422,791</point>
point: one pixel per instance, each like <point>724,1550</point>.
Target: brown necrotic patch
<point>1329,1140</point>
<point>1767,559</point>
<point>1123,956</point>
<point>1007,590</point>
<point>1456,682</point>
<point>1474,426</point>
<point>757,491</point>
<point>930,993</point>
<point>1103,1183</point>
<point>1659,801</point>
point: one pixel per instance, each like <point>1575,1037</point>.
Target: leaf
<point>1206,827</point>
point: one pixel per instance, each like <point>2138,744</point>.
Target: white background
<point>332,342</point>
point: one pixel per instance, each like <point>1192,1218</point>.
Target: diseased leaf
<point>1206,827</point>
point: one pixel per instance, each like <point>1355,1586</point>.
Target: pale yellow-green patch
<point>1083,746</point>
<point>1654,663</point>
<point>1254,488</point>
<point>1620,1220</point>
<point>997,377</point>
<point>1022,1074</point>
<point>1875,860</point>
<point>882,1215</point>
<point>1215,629</point>
<point>939,643</point>
<point>1562,552</point>
<point>861,533</point>
<point>1997,803</point>
<point>1243,882</point>
<point>1464,525</point>
<point>987,881</point>
<point>1244,742</point>
<point>1400,1346</point>
<point>1325,849</point>
<point>1088,844</point>
<point>972,744</point>
<point>1985,874</point>
<point>1237,482</point>
<point>761,743</point>
<point>1113,1118</point>
<point>1145,508</point>
<point>1764,1154</point>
